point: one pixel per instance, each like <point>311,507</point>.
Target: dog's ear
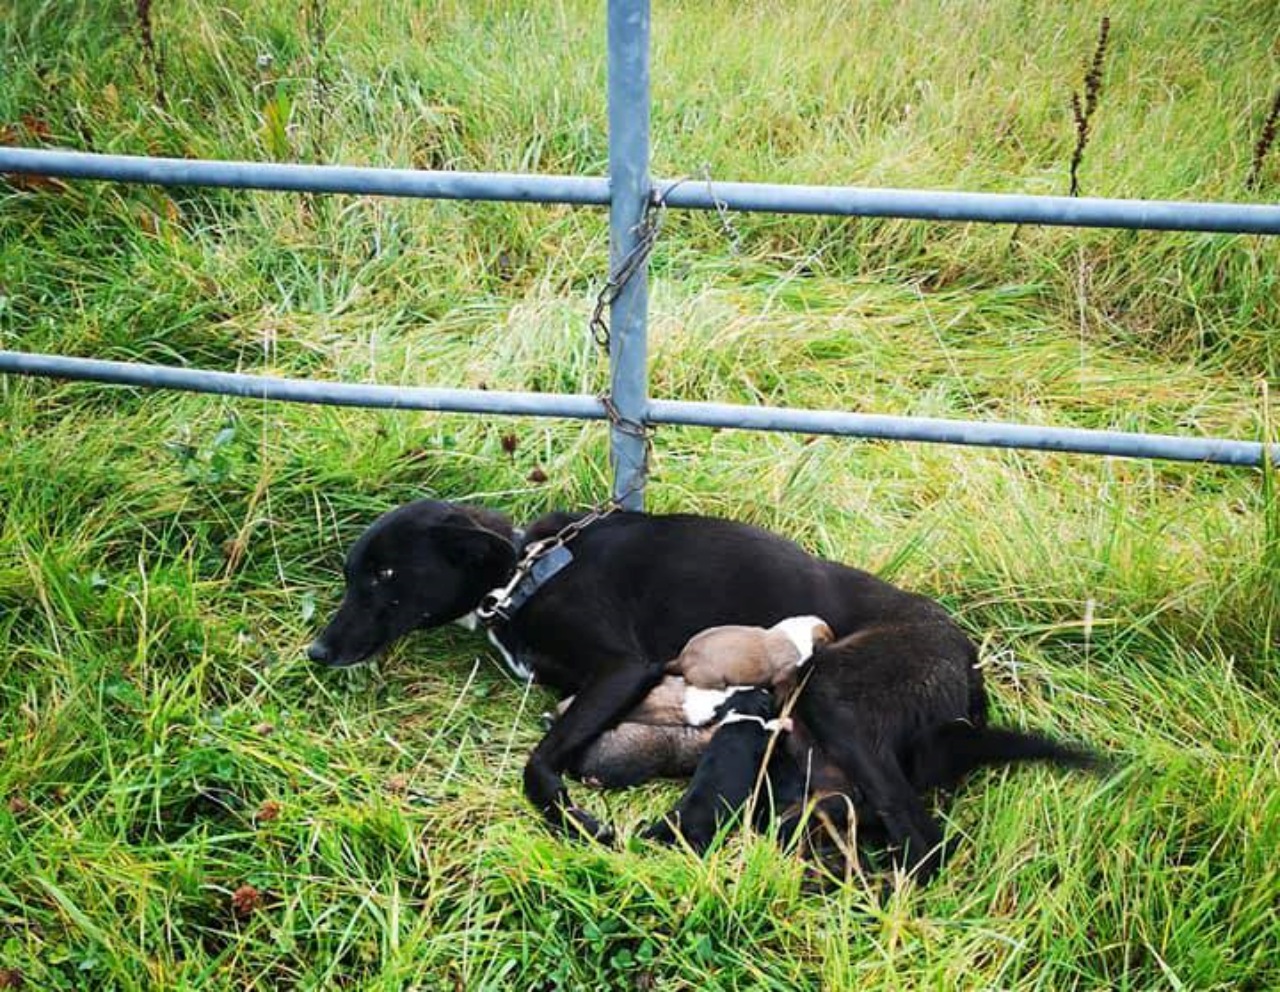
<point>474,548</point>
<point>481,516</point>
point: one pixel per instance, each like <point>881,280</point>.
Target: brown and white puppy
<point>734,655</point>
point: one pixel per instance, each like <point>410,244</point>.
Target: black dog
<point>727,774</point>
<point>638,588</point>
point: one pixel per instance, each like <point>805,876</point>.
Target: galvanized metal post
<point>629,189</point>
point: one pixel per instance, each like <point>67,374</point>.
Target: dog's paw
<point>660,832</point>
<point>579,823</point>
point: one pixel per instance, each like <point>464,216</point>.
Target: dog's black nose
<point>318,651</point>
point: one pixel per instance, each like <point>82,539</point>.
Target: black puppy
<point>882,710</point>
<point>726,775</point>
<point>638,587</point>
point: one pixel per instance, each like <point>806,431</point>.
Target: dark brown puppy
<point>654,740</point>
<point>632,753</point>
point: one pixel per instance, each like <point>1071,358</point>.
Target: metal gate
<point>630,192</point>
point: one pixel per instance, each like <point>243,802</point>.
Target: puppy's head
<point>806,633</point>
<point>420,565</point>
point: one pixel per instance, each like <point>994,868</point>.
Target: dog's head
<point>420,565</point>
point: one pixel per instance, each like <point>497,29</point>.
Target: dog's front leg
<point>594,710</point>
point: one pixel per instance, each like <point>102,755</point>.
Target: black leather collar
<point>531,574</point>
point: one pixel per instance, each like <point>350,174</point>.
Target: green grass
<point>165,558</point>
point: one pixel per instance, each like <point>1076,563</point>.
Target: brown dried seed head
<point>246,900</point>
<point>268,811</point>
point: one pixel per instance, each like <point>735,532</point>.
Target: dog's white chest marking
<point>514,665</point>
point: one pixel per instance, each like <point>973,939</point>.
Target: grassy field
<point>188,804</point>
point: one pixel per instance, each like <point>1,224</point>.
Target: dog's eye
<point>385,574</point>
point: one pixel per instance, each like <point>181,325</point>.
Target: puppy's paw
<point>579,823</point>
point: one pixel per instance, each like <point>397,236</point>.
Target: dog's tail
<point>943,756</point>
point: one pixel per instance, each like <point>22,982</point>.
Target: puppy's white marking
<point>780,724</point>
<point>514,665</point>
<point>468,621</point>
<point>799,631</point>
<point>700,705</point>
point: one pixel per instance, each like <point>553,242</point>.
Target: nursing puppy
<point>664,736</point>
<point>737,655</point>
<point>632,753</point>
<point>654,740</point>
<point>726,775</point>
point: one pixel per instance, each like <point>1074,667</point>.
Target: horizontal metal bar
<point>678,412</point>
<point>303,390</point>
<point>308,178</point>
<point>967,432</point>
<point>999,208</point>
<point>850,201</point>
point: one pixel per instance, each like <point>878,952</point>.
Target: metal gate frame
<point>627,192</point>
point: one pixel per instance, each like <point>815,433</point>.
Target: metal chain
<point>648,230</point>
<point>634,428</point>
<point>496,602</point>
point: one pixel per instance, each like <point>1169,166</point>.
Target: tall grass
<point>186,803</point>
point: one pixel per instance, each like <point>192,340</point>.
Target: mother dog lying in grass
<point>638,587</point>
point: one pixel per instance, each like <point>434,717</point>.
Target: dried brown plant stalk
<point>150,53</point>
<point>1082,110</point>
<point>1265,141</point>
